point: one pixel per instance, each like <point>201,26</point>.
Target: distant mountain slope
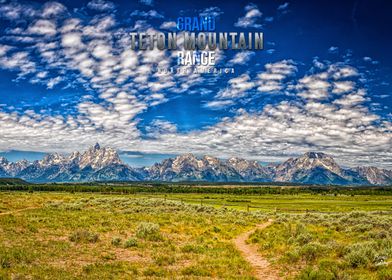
<point>190,168</point>
<point>315,168</point>
<point>12,181</point>
<point>104,164</point>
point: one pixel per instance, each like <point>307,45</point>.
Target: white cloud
<point>367,58</point>
<point>218,104</point>
<point>343,87</point>
<point>159,127</point>
<point>53,9</point>
<point>211,12</point>
<point>290,128</point>
<point>250,18</point>
<point>71,40</point>
<point>18,61</point>
<point>101,5</point>
<point>148,14</point>
<point>242,57</point>
<point>333,49</point>
<point>352,99</point>
<point>168,25</point>
<point>287,128</point>
<point>16,11</point>
<point>237,87</point>
<point>342,72</point>
<point>42,27</point>
<point>54,81</point>
<point>4,49</point>
<point>271,80</point>
<point>283,6</point>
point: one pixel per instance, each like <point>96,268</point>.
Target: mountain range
<point>104,164</point>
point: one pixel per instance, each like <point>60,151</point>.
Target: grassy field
<point>286,203</point>
<point>355,245</point>
<point>50,235</point>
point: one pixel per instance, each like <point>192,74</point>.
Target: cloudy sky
<point>68,79</point>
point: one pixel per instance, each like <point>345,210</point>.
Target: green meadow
<point>89,235</point>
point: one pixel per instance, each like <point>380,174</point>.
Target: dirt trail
<point>18,211</point>
<point>261,266</point>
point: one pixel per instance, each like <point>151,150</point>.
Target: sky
<point>69,79</point>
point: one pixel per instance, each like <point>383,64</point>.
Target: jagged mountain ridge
<point>95,164</point>
<point>190,168</point>
<point>312,168</point>
<point>104,164</point>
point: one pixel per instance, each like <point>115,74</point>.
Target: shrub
<point>357,214</point>
<point>312,250</point>
<point>154,271</point>
<point>196,271</point>
<point>304,238</point>
<point>381,234</point>
<point>216,229</point>
<point>5,261</point>
<point>116,241</point>
<point>163,260</point>
<point>148,231</point>
<point>362,227</point>
<point>131,242</point>
<point>360,254</point>
<point>299,229</point>
<point>385,274</point>
<point>292,256</point>
<point>316,274</point>
<point>189,248</point>
<point>80,236</point>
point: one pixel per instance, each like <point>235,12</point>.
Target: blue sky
<point>322,83</point>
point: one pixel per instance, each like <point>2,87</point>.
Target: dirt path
<point>18,211</point>
<point>261,266</point>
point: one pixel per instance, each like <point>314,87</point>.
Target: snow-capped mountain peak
<point>97,157</point>
<point>103,163</point>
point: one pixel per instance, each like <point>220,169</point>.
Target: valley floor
<point>193,236</point>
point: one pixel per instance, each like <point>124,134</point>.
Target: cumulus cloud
<point>148,14</point>
<point>272,80</point>
<point>101,5</point>
<point>345,129</point>
<point>340,87</point>
<point>20,62</point>
<point>53,9</point>
<point>42,27</point>
<point>218,104</point>
<point>237,87</point>
<point>4,49</point>
<point>333,49</point>
<point>370,60</point>
<point>211,11</point>
<point>242,57</point>
<point>283,6</point>
<point>168,25</point>
<point>94,53</point>
<point>52,82</point>
<point>251,17</point>
<point>340,71</point>
<point>16,11</point>
<point>159,127</point>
